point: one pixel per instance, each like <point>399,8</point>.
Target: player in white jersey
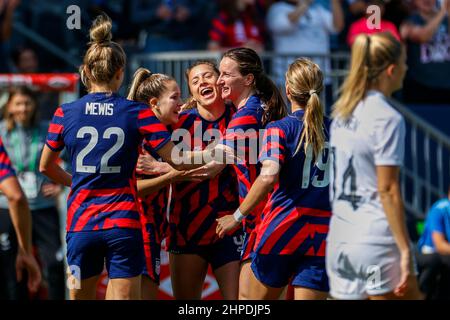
<point>368,249</point>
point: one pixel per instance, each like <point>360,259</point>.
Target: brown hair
<point>103,57</point>
<point>305,81</point>
<point>371,55</point>
<point>8,118</point>
<point>147,85</point>
<point>191,103</point>
<point>250,63</point>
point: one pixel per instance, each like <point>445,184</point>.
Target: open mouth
<point>207,92</point>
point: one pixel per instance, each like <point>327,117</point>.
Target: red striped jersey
<point>197,205</point>
<point>154,205</point>
<point>297,215</point>
<point>243,135</point>
<point>237,33</point>
<point>102,133</point>
<point>6,169</point>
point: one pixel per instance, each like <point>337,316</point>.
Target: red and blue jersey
<point>243,136</point>
<point>297,214</point>
<point>197,205</point>
<point>6,169</point>
<point>102,133</point>
<point>154,205</point>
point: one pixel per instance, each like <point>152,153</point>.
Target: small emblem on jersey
<point>157,266</point>
<point>238,241</point>
<point>99,109</point>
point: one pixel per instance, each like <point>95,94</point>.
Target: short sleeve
<point>389,144</point>
<point>6,169</point>
<point>156,135</point>
<point>436,219</point>
<point>55,140</point>
<point>274,145</point>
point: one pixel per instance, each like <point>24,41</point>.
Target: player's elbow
<point>44,168</point>
<point>269,180</point>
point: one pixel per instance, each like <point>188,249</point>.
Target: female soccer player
<point>290,239</point>
<point>102,132</point>
<point>162,94</point>
<point>192,240</point>
<point>368,249</point>
<point>258,101</point>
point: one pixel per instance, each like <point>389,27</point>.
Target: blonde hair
<point>305,81</point>
<point>103,57</point>
<point>371,55</point>
<point>147,85</point>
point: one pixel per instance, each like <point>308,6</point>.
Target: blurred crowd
<point>285,27</point>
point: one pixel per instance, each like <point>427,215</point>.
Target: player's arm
<point>21,220</point>
<point>391,200</point>
<point>150,185</point>
<point>49,166</point>
<point>441,243</point>
<point>422,34</point>
<point>188,160</point>
<point>263,184</point>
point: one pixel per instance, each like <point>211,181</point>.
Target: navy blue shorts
<point>219,253</point>
<point>152,265</point>
<point>277,271</point>
<point>120,249</point>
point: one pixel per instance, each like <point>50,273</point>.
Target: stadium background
<point>42,52</point>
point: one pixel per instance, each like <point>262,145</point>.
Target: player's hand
<point>146,164</point>
<point>405,271</point>
<point>226,224</point>
<point>50,190</point>
<point>26,261</point>
<point>206,172</point>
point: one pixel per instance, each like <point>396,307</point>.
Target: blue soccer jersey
<point>243,136</point>
<point>297,214</point>
<point>102,133</point>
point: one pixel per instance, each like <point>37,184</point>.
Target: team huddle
<point>316,206</point>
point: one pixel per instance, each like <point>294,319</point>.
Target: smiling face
<point>167,107</point>
<point>21,107</point>
<point>203,85</point>
<point>231,81</point>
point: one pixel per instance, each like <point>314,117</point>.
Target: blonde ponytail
<point>305,83</point>
<point>371,54</point>
<point>139,77</point>
<point>313,134</point>
<point>147,85</point>
<point>355,85</point>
